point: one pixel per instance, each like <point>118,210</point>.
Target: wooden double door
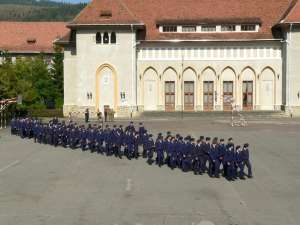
<point>227,95</point>
<point>208,95</point>
<point>189,95</point>
<point>247,95</point>
<point>170,96</point>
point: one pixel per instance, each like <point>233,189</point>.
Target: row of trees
<point>32,10</point>
<point>40,84</point>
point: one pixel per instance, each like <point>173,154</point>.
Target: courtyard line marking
<point>128,185</point>
<point>9,165</point>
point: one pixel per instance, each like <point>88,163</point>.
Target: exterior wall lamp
<point>89,95</point>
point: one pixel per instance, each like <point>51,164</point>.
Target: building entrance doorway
<point>247,95</point>
<point>227,95</point>
<point>208,95</point>
<point>189,95</point>
<point>170,96</point>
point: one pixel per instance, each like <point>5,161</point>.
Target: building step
<point>220,114</point>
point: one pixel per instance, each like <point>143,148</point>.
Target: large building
<point>192,55</point>
<point>26,39</point>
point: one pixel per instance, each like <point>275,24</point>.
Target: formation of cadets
<point>204,155</point>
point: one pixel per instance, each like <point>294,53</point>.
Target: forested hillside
<point>43,10</point>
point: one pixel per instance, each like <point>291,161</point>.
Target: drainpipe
<point>134,67</point>
<point>288,70</point>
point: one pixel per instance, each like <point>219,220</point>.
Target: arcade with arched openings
<point>208,88</point>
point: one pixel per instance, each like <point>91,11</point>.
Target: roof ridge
<point>79,14</point>
<point>128,10</point>
<point>289,10</point>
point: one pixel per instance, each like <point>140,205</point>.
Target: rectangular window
<point>228,28</point>
<point>208,28</point>
<point>188,28</point>
<point>169,28</point>
<point>248,27</point>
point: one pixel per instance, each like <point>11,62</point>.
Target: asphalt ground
<point>43,185</point>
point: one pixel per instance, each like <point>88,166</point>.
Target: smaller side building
<point>26,39</point>
<point>290,26</point>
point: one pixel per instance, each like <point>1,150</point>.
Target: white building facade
<point>133,64</point>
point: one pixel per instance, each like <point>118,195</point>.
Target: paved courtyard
<point>41,185</point>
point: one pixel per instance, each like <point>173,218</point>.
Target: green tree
<point>57,75</point>
<point>29,77</point>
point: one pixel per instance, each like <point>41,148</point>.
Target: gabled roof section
<point>30,37</point>
<point>105,12</point>
<point>152,13</point>
<point>293,13</point>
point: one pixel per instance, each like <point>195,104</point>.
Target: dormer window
<point>31,41</point>
<point>98,38</point>
<point>189,29</point>
<point>106,14</point>
<point>227,28</point>
<point>169,28</point>
<point>248,27</point>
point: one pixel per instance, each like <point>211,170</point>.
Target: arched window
<point>105,38</point>
<point>98,38</point>
<point>113,38</point>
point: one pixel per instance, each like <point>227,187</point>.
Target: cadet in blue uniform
<point>206,150</point>
<point>229,161</point>
<point>196,158</point>
<point>213,160</point>
<point>149,149</point>
<point>222,151</point>
<point>235,162</point>
<point>144,143</point>
<point>173,154</point>
<point>179,151</point>
<point>159,147</point>
<point>246,159</point>
<point>186,156</point>
<point>239,163</point>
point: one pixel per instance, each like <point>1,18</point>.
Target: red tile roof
<point>293,15</point>
<point>30,37</point>
<point>97,13</point>
<point>150,12</point>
